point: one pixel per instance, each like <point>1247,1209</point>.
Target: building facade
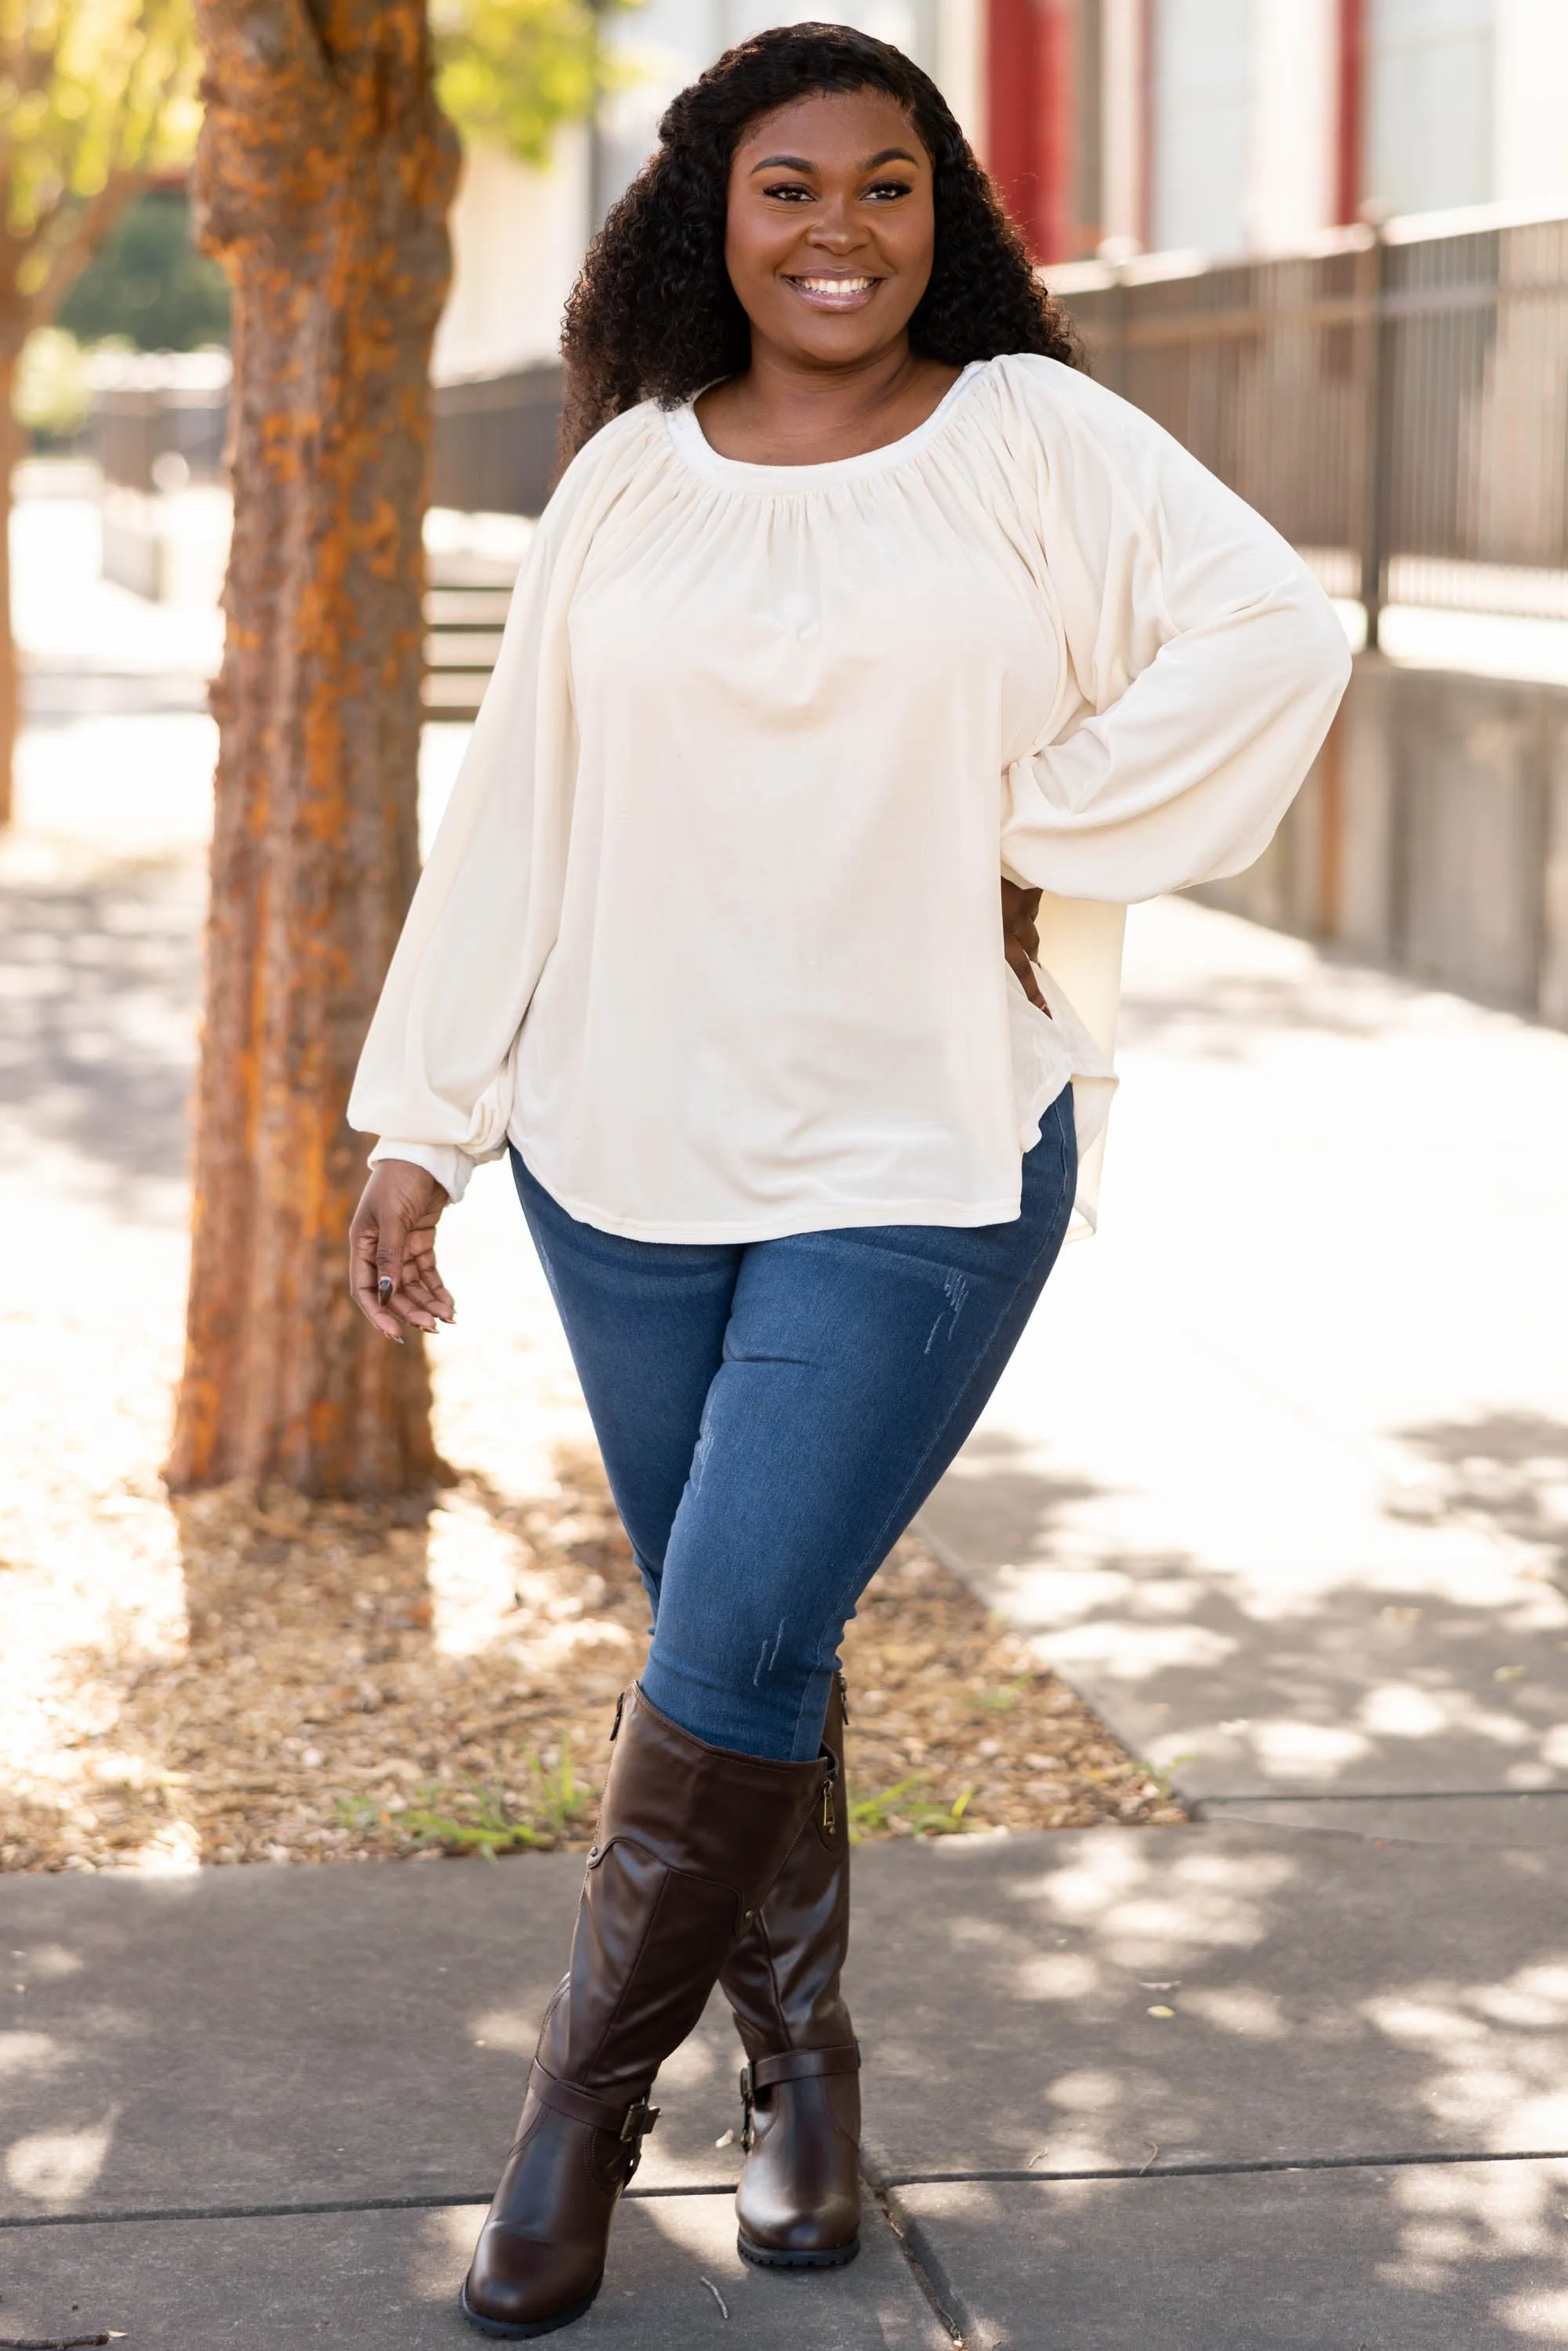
<point>1220,127</point>
<point>1241,126</point>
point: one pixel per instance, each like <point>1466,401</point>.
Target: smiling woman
<point>857,603</point>
<point>810,171</point>
<point>829,246</point>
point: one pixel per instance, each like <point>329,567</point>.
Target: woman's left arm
<point>1203,667</point>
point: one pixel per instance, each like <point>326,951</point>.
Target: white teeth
<point>831,286</point>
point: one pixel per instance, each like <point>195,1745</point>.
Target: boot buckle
<point>640,2119</point>
<point>748,2100</point>
<point>829,1819</point>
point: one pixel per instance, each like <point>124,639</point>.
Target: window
<point>1429,104</point>
<point>1201,104</point>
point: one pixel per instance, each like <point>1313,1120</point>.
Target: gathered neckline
<point>694,446</point>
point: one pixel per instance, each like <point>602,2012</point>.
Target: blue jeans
<point>772,1414</point>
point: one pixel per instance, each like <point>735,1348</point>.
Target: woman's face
<point>831,227</point>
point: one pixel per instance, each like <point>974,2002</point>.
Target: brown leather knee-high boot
<point>799,2203</point>
<point>690,1839</point>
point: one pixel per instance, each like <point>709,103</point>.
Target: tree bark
<point>323,178</point>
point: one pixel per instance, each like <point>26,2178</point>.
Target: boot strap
<point>800,2065</point>
<point>788,2065</point>
<point>623,2121</point>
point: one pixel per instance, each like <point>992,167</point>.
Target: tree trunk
<point>10,450</point>
<point>323,178</point>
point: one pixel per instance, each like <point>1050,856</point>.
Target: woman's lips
<point>829,293</point>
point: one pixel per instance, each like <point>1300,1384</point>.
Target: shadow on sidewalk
<point>98,1041</point>
<point>1321,1675</point>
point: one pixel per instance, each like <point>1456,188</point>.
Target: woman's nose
<point>835,231</point>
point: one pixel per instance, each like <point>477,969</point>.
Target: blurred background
<point>1325,242</point>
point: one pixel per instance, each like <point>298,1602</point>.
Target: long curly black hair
<point>653,315</point>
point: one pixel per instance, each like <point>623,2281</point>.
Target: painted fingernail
<point>385,1286</point>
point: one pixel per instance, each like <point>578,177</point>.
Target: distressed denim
<point>773,1413</point>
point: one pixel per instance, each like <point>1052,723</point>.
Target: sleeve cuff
<point>451,1167</point>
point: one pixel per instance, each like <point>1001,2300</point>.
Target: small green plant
<point>360,1814</point>
<point>905,1800</point>
<point>469,1818</point>
<point>479,1821</point>
<point>997,1701</point>
<point>1162,1774</point>
<point>868,1814</point>
<point>560,1800</point>
<point>940,1820</point>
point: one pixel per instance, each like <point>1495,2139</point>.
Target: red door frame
<point>1349,115</point>
<point>1031,83</point>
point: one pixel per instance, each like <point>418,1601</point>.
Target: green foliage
<point>1164,1774</point>
<point>558,1799</point>
<point>905,1805</point>
<point>512,72</point>
<point>148,283</point>
<point>479,1820</point>
<point>997,1701</point>
<point>465,1817</point>
<point>96,96</point>
<point>52,397</point>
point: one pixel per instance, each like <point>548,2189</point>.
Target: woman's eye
<point>788,191</point>
<point>890,188</point>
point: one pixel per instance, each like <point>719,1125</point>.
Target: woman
<point>855,599</point>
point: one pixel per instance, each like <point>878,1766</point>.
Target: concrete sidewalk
<point>1280,1473</point>
<point>1278,1478</point>
<point>1228,2087</point>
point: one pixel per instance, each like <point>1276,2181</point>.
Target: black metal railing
<point>1396,401</point>
<point>159,421</point>
<point>495,442</point>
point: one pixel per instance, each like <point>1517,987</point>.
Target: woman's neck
<point>782,412</point>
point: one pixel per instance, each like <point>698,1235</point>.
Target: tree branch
<point>76,247</point>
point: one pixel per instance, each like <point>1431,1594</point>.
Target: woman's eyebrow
<point>798,163</point>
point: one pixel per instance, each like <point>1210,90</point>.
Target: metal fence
<point>159,418</point>
<point>495,442</point>
<point>1394,400</point>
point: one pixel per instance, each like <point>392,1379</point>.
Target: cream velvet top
<point>710,927</point>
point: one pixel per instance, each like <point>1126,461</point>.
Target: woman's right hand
<point>1020,940</point>
<point>393,1276</point>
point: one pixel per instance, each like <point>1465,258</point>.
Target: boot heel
<point>769,2257</point>
<point>526,2330</point>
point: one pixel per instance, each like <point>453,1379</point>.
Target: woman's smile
<point>833,290</point>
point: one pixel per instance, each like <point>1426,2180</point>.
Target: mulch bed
<point>347,1686</point>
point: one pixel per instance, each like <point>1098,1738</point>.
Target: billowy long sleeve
<point>1203,666</point>
<point>435,1080</point>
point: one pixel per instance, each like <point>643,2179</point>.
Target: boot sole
<point>770,2257</point>
<point>524,2330</point>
